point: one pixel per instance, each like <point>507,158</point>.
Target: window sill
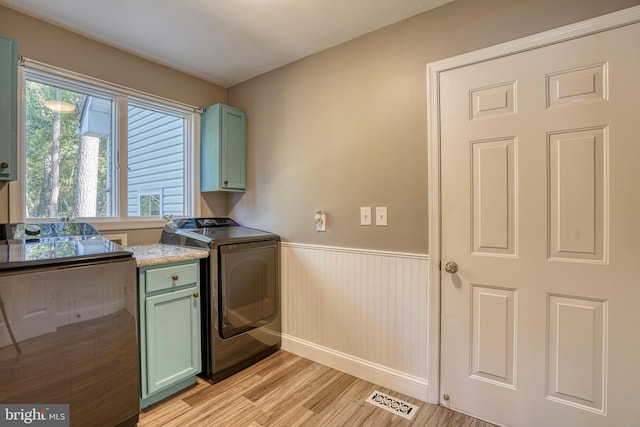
<point>112,225</point>
<point>129,224</point>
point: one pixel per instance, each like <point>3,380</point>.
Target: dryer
<point>241,317</point>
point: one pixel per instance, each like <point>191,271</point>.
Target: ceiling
<point>222,41</point>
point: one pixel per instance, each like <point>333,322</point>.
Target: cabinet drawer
<point>162,278</point>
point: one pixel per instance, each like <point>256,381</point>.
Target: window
<point>156,160</point>
<point>76,141</point>
<point>68,152</point>
<point>150,204</point>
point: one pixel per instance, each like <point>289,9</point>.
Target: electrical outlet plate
<point>365,216</point>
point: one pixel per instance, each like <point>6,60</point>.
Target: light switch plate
<point>321,225</point>
<point>381,216</point>
<point>321,221</point>
<point>365,216</point>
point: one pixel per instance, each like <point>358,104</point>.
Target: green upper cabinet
<point>223,149</point>
<point>8,108</point>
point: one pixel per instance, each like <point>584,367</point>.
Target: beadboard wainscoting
<point>359,311</point>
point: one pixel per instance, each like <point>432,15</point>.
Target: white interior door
<point>540,168</point>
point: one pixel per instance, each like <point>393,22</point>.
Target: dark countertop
<point>18,254</point>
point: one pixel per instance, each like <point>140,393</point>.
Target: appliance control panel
<point>206,223</point>
<point>216,222</point>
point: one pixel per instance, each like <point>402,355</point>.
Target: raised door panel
<point>8,108</point>
<point>493,335</point>
<point>172,338</point>
<point>494,194</point>
<point>576,360</point>
<point>232,165</point>
<point>578,171</point>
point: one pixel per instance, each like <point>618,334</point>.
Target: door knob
<point>451,267</point>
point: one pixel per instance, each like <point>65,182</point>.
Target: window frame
<point>66,79</point>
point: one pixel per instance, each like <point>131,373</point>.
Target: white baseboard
<point>411,386</point>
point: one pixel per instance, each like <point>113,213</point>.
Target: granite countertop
<point>162,254</point>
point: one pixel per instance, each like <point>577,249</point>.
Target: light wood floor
<point>287,390</point>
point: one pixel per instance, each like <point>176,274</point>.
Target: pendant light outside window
<point>59,106</point>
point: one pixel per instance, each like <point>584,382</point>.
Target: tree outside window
<point>66,165</point>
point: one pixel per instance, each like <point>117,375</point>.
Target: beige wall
<point>335,131</point>
<point>347,127</point>
<point>52,45</point>
<point>47,43</point>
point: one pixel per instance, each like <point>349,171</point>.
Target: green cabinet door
<point>170,343</point>
<point>173,338</point>
<point>8,108</point>
<point>223,149</point>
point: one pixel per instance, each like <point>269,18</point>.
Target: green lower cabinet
<point>170,354</point>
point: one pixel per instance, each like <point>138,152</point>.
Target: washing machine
<point>241,321</point>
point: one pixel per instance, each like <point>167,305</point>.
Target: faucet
<point>170,225</point>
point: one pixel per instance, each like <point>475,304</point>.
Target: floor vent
<point>392,404</point>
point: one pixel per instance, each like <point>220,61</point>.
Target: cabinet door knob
<point>226,181</point>
<point>4,165</point>
<point>176,277</point>
<point>196,295</point>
